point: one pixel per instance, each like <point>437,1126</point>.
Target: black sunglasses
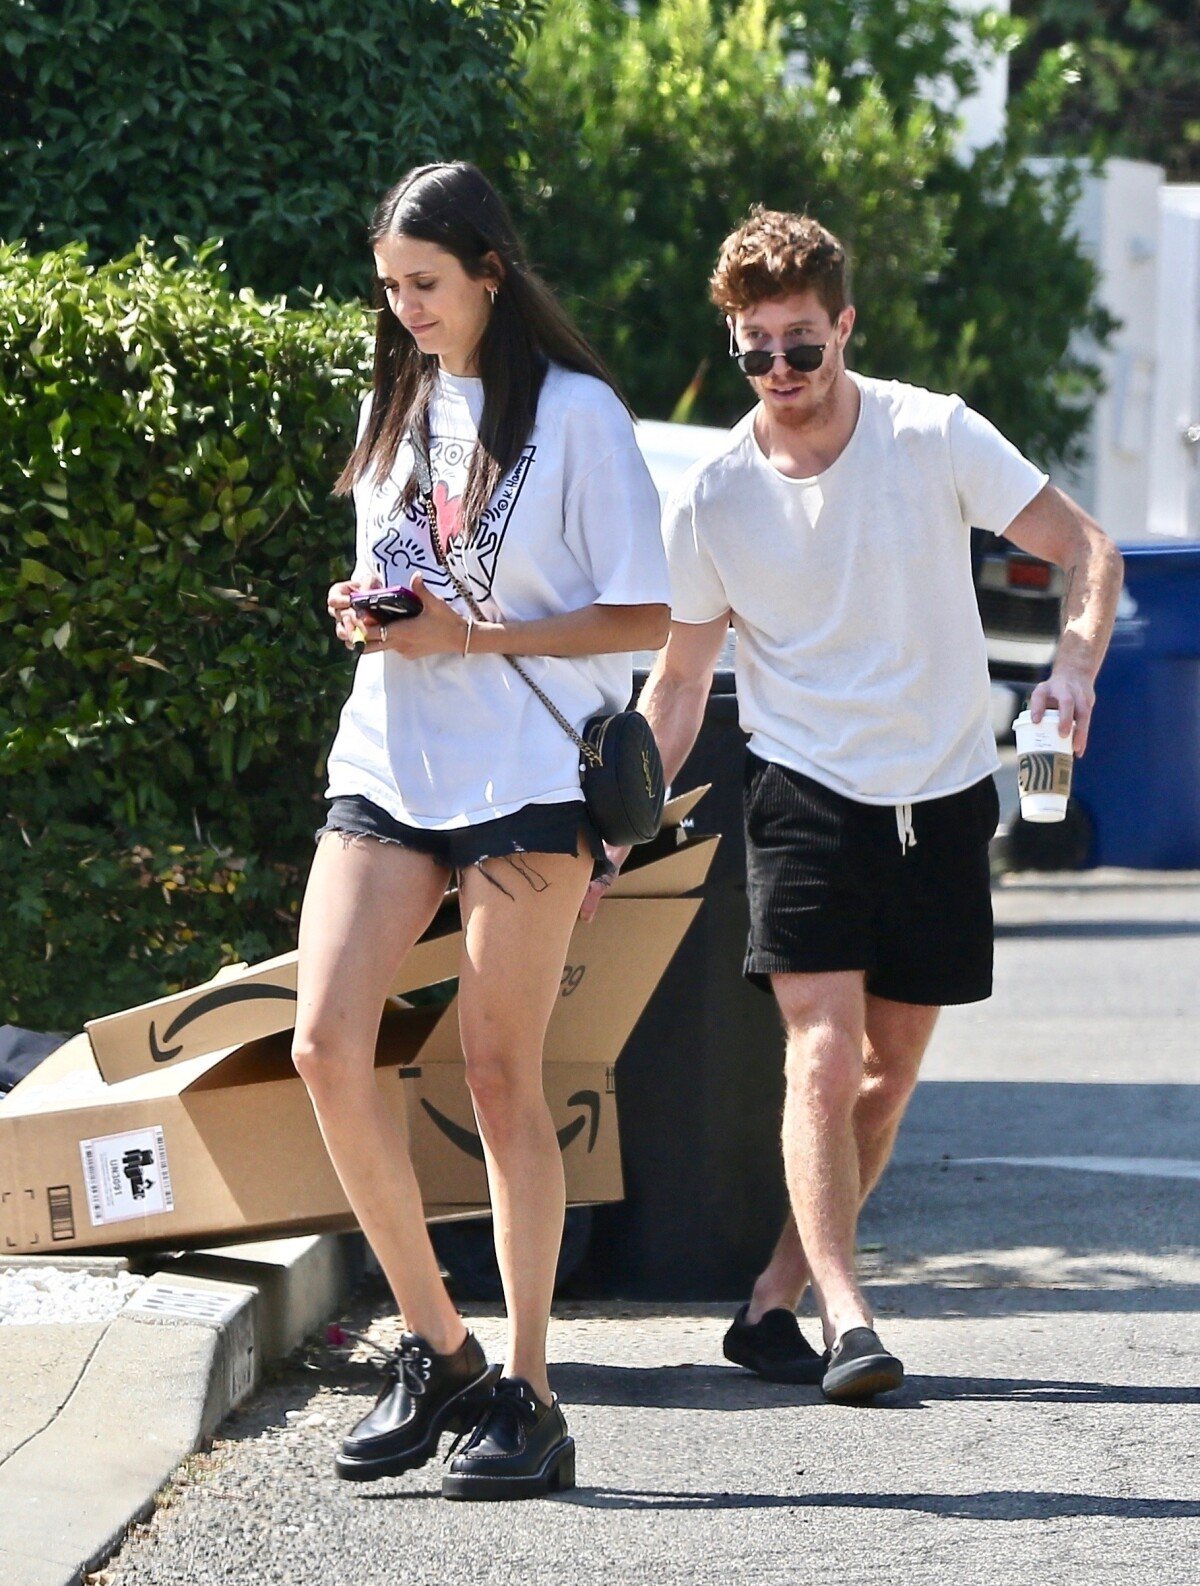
<point>758,361</point>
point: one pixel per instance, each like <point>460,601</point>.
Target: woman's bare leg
<point>518,921</point>
<point>366,904</point>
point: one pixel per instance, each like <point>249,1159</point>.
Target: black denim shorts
<point>534,829</point>
<point>832,885</point>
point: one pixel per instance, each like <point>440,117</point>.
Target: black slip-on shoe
<point>774,1348</point>
<point>860,1367</point>
<point>424,1394</point>
<point>520,1449</point>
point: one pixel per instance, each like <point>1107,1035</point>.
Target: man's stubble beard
<point>815,414</point>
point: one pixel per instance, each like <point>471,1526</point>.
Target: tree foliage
<point>1132,78</point>
<point>656,129</point>
<point>168,683</point>
<point>274,123</point>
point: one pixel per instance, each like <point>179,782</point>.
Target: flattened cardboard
<point>680,870</point>
<point>235,1151</point>
<point>236,1005</point>
<point>676,810</point>
<point>244,1003</point>
<point>234,1132</point>
<point>448,1154</point>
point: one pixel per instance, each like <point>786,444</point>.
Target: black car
<point>1020,601</point>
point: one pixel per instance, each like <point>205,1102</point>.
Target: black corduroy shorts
<point>834,884</point>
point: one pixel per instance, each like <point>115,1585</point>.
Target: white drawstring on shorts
<point>904,827</point>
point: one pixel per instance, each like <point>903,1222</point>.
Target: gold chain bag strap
<point>620,769</point>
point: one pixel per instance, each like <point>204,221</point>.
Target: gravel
<point>57,1294</point>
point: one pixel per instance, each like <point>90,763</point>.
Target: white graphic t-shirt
<point>448,741</point>
<point>860,657</point>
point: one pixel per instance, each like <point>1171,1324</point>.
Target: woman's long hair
<point>456,208</point>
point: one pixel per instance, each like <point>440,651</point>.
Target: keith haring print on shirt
<point>399,539</point>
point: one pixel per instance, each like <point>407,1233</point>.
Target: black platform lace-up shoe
<point>424,1394</point>
<point>520,1449</point>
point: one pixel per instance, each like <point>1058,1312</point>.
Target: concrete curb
<point>189,1347</point>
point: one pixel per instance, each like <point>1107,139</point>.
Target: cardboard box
<point>189,1147</point>
<point>242,1003</point>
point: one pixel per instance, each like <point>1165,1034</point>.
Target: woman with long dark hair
<point>490,415</point>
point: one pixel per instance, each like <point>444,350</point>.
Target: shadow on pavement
<point>695,1387</point>
<point>686,1387</point>
<point>1033,1390</point>
<point>963,1506</point>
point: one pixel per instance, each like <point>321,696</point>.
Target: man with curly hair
<point>832,529</point>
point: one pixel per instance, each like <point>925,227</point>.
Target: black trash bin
<point>700,1082</point>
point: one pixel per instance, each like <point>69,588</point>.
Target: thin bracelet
<point>470,631</point>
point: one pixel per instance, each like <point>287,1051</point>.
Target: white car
<point>671,449</point>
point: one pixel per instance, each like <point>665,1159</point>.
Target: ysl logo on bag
<point>648,773</point>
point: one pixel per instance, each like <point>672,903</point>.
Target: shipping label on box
<point>126,1175</point>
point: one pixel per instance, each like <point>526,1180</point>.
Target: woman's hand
<point>438,630</point>
<point>349,625</point>
<point>598,889</point>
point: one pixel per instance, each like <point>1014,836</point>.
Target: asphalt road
<point>1033,1255</point>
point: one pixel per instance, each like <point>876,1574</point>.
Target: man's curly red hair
<point>774,254</point>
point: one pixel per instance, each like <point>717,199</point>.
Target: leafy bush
<point>272,122</point>
<point>168,678</point>
<point>1132,78</point>
<point>656,130</point>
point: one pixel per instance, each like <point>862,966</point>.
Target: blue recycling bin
<point>1139,782</point>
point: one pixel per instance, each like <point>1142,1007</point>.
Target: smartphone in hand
<point>387,605</point>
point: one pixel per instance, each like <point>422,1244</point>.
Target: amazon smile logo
<point>223,997</point>
<point>468,1141</point>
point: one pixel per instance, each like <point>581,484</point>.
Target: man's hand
<point>1073,694</point>
<point>595,892</point>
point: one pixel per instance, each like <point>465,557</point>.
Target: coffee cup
<point>1045,759</point>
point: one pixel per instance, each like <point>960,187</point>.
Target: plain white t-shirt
<point>445,741</point>
<point>860,657</point>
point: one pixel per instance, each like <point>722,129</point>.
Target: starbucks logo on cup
<point>1040,772</point>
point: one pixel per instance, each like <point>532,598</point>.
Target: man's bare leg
<point>895,1038</point>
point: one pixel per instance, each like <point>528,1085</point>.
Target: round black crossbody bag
<point>623,787</point>
<point>620,768</point>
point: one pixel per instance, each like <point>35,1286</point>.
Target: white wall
<point>1174,508</point>
<point>1127,253</point>
<point>1118,223</point>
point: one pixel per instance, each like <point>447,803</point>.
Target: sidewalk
<point>96,1416</point>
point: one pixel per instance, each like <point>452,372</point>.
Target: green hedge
<point>275,123</point>
<point>168,678</point>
